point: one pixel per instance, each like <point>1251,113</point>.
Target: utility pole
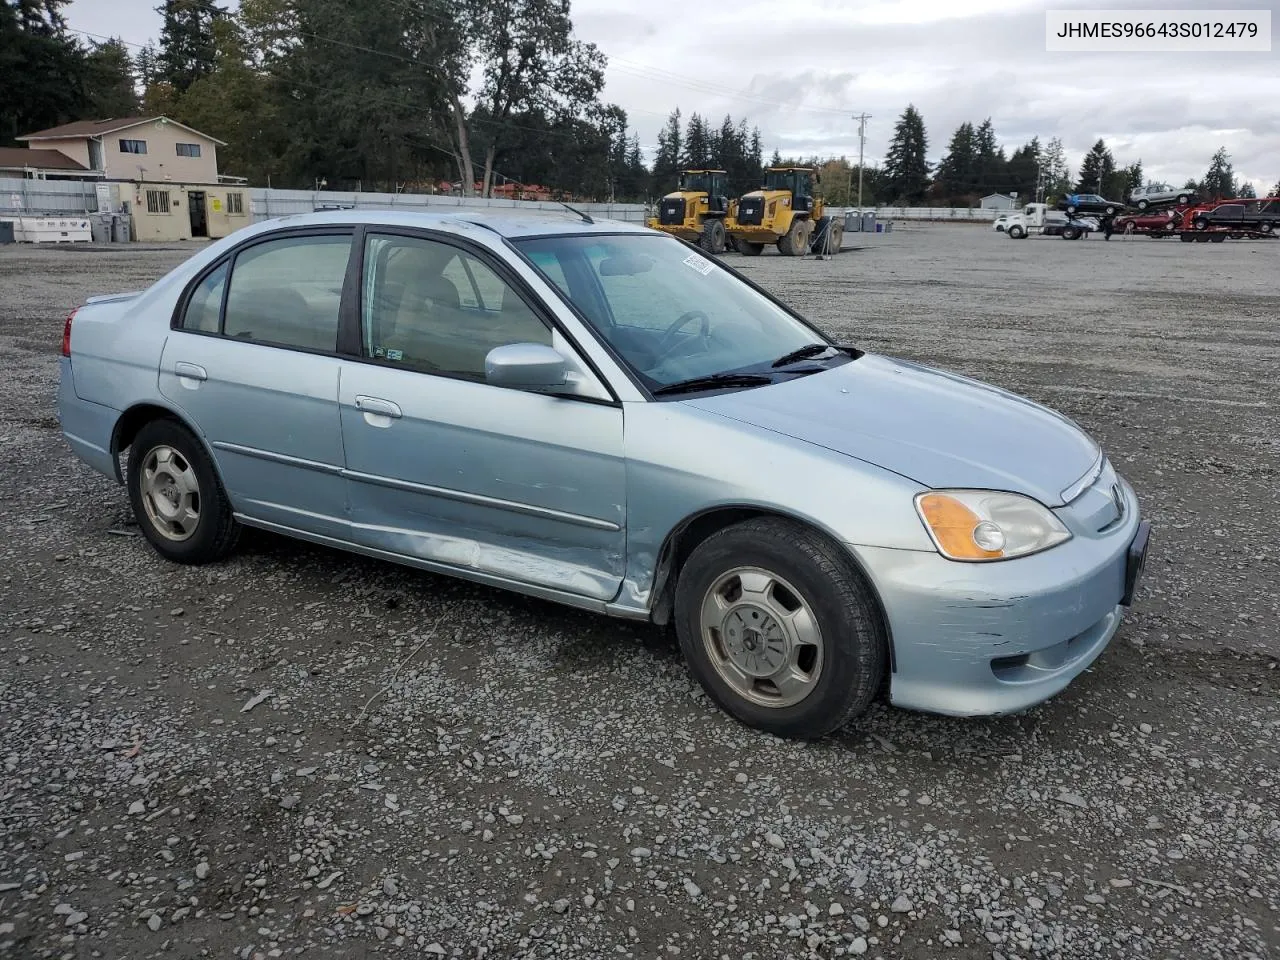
<point>862,119</point>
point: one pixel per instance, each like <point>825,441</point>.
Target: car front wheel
<point>176,496</point>
<point>779,628</point>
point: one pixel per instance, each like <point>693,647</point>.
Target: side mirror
<point>528,366</point>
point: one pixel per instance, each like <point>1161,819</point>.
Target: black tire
<point>1186,237</point>
<point>1110,211</point>
<point>1266,226</point>
<point>1071,208</point>
<point>795,241</point>
<point>1143,204</point>
<point>1183,199</point>
<point>854,647</point>
<point>836,243</point>
<point>1016,232</point>
<point>1202,238</point>
<point>216,531</point>
<point>1070,233</point>
<point>713,235</point>
<point>1200,223</point>
<point>1217,238</point>
<point>749,249</point>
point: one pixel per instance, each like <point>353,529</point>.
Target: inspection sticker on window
<point>701,264</point>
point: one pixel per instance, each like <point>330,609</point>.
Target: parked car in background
<point>1002,221</point>
<point>1156,224</point>
<point>1089,203</point>
<point>1154,193</point>
<point>598,414</point>
<point>1247,215</point>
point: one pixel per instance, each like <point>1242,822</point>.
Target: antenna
<point>585,218</point>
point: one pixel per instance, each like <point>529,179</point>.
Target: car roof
<point>506,223</point>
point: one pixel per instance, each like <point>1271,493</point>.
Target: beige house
<point>135,148</point>
<point>163,172</point>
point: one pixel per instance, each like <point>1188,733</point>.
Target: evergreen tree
<point>187,46</point>
<point>145,65</point>
<point>109,81</point>
<point>697,144</point>
<point>1023,170</point>
<point>1055,174</point>
<point>906,168</point>
<point>43,69</point>
<point>1096,169</point>
<point>955,176</point>
<point>755,163</point>
<point>666,165</point>
<point>1275,191</point>
<point>1246,192</point>
<point>990,160</point>
<point>776,159</point>
<point>1220,179</point>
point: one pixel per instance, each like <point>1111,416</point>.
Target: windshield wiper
<point>713,381</point>
<point>804,353</point>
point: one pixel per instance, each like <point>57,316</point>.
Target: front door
<point>255,366</point>
<point>508,485</point>
<point>196,210</point>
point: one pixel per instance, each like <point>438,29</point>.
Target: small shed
<point>999,201</point>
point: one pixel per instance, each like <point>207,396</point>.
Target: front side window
<point>672,314</point>
<point>287,292</point>
<point>188,149</point>
<point>133,146</point>
<point>432,307</point>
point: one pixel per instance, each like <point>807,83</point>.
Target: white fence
<point>35,197</point>
<point>267,203</point>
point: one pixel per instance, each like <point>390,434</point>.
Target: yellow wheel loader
<point>700,211</point>
<point>787,212</point>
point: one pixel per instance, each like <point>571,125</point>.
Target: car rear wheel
<point>176,496</point>
<point>1110,211</point>
<point>1183,199</point>
<point>1143,204</point>
<point>1265,227</point>
<point>779,628</point>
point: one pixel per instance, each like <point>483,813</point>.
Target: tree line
<point>975,166</point>
<point>402,94</point>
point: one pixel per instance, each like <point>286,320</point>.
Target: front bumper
<point>973,639</point>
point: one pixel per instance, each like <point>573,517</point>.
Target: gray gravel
<point>300,751</point>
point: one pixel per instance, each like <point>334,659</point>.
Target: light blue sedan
<point>600,415</point>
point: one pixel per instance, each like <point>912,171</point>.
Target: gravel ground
<point>304,752</point>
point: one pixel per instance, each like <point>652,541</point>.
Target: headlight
<point>986,525</point>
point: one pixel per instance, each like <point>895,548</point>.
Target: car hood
<point>937,428</point>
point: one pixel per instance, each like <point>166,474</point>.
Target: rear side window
<point>205,306</point>
<point>287,292</point>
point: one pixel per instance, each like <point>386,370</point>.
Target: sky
<point>800,69</point>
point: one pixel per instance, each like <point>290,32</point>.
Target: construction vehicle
<point>788,212</point>
<point>698,210</point>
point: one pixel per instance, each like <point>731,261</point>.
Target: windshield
<point>669,312</point>
<point>696,182</point>
<point>797,183</point>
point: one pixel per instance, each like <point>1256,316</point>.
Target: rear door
<point>504,484</point>
<point>252,361</point>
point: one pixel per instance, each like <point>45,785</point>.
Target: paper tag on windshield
<point>701,264</point>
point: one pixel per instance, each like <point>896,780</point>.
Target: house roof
<point>19,157</point>
<point>97,128</point>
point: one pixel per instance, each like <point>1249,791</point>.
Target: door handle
<point>191,371</point>
<point>378,407</point>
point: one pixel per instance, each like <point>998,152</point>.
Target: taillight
<point>66,334</point>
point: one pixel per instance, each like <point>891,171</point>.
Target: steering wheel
<point>668,338</point>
